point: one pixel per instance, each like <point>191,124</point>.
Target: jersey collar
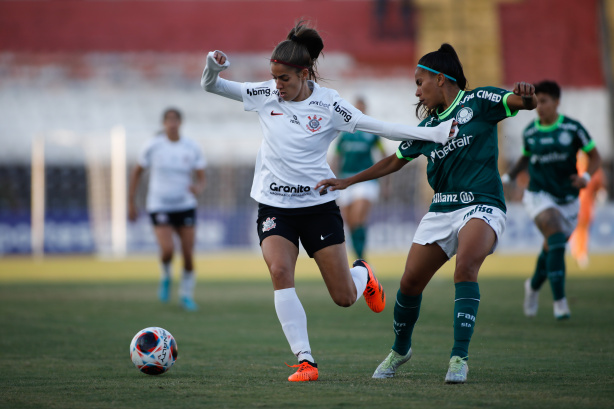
<point>453,105</point>
<point>548,128</point>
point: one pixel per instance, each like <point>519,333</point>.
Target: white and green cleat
<point>457,371</point>
<point>389,366</point>
<point>531,299</point>
<point>561,309</point>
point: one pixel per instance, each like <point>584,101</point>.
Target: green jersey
<point>354,151</point>
<point>552,156</point>
<point>464,171</point>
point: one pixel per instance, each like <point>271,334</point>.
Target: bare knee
<point>344,300</point>
<point>412,284</point>
<point>281,275</point>
<point>465,271</point>
<point>166,255</point>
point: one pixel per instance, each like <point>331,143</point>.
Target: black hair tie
<point>294,38</point>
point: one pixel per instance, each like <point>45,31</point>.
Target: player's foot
<point>374,293</point>
<point>188,304</point>
<point>531,299</point>
<point>164,290</point>
<point>457,371</point>
<point>389,366</point>
<point>307,371</point>
<point>561,309</point>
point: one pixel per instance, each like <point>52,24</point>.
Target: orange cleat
<point>307,371</point>
<point>374,293</point>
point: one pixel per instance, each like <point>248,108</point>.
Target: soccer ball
<point>153,350</point>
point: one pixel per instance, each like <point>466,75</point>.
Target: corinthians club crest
<point>314,123</point>
<point>268,224</point>
<point>464,115</point>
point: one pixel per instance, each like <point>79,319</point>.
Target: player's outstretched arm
<point>521,164</point>
<point>523,98</point>
<point>399,132</point>
<point>594,163</point>
<point>211,82</point>
<point>384,167</point>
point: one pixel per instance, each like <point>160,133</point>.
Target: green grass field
<point>67,324</point>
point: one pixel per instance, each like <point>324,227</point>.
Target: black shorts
<point>183,218</point>
<point>316,227</point>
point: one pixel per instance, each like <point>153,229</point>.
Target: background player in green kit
<point>355,154</point>
<point>467,214</point>
<point>550,147</point>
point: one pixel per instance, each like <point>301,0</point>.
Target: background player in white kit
<point>174,162</point>
<point>299,120</point>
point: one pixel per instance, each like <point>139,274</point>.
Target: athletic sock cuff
<point>467,289</point>
<point>557,240</point>
<point>408,301</point>
<point>285,294</point>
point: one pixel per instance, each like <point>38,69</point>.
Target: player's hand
<point>578,181</point>
<point>132,212</point>
<point>196,189</point>
<point>453,129</point>
<point>332,184</point>
<point>219,57</point>
<point>524,89</point>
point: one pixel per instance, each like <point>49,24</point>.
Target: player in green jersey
<point>467,214</point>
<point>550,147</point>
<point>353,155</point>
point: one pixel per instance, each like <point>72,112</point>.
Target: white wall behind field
<point>46,100</point>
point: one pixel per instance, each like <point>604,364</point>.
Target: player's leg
<point>551,224</point>
<point>323,237</point>
<point>422,263</point>
<point>358,214</point>
<point>476,240</point>
<point>533,284</point>
<point>164,237</point>
<point>187,235</point>
<point>280,255</point>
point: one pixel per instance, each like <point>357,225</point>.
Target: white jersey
<point>292,157</point>
<point>171,165</point>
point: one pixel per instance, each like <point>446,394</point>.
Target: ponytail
<point>300,49</point>
<point>444,61</point>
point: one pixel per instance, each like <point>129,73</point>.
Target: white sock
<point>165,270</point>
<point>360,275</point>
<point>293,322</point>
<point>188,281</point>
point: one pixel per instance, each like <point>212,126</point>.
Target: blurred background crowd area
<point>72,72</point>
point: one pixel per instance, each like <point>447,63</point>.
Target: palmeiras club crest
<point>314,123</point>
<point>268,224</point>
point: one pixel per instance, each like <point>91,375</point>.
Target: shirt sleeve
<point>345,115</point>
<point>409,150</point>
<point>587,144</point>
<point>211,82</point>
<point>200,162</point>
<point>144,159</point>
<point>399,132</point>
<point>255,94</point>
<point>493,103</point>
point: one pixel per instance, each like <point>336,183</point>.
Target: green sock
<point>541,272</point>
<point>359,238</point>
<point>556,264</point>
<point>466,302</point>
<point>406,313</point>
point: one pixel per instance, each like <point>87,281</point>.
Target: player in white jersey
<point>177,177</point>
<point>299,120</point>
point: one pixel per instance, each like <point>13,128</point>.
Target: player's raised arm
<point>399,132</point>
<point>523,98</point>
<point>211,81</point>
